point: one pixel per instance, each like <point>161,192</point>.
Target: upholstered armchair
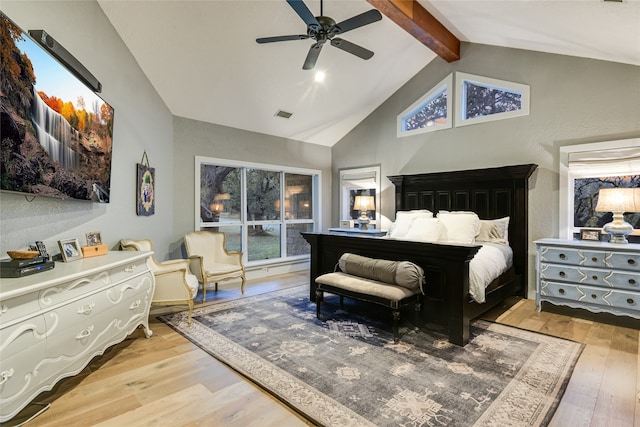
<point>175,285</point>
<point>210,261</point>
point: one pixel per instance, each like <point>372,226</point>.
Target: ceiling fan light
<point>319,77</point>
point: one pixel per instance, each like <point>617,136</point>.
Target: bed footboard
<point>445,266</point>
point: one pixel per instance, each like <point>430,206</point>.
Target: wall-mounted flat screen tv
<point>55,132</point>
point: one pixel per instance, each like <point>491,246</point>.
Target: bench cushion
<point>365,286</point>
<point>401,273</point>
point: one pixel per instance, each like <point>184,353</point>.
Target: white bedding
<point>490,262</point>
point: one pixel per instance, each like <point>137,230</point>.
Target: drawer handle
<point>630,300</point>
<point>594,259</point>
<point>85,333</point>
<point>5,375</point>
<point>135,305</point>
<point>87,308</point>
<point>562,256</point>
<point>632,282</point>
<point>130,269</point>
<point>594,277</point>
<point>561,291</point>
<point>562,274</point>
<point>594,296</point>
<point>631,261</point>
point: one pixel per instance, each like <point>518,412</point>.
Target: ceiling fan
<point>322,29</point>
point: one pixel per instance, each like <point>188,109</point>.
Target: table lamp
<point>364,204</point>
<point>618,201</point>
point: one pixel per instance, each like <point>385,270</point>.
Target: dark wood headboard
<point>491,193</point>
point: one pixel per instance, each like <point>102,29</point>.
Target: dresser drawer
<point>128,271</point>
<point>22,347</point>
<point>582,257</point>
<point>567,273</point>
<point>63,293</point>
<point>624,280</point>
<point>19,308</point>
<point>623,261</point>
<point>606,297</point>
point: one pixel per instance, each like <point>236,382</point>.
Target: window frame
<point>462,78</point>
<point>364,172</point>
<point>447,84</point>
<point>567,179</point>
<point>243,222</point>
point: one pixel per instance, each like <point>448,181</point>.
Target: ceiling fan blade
<point>303,11</point>
<point>282,38</point>
<point>358,21</point>
<point>312,56</point>
<point>352,48</point>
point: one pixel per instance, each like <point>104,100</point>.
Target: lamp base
<point>363,221</point>
<point>618,229</point>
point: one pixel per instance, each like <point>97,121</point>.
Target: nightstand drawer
<point>572,256</point>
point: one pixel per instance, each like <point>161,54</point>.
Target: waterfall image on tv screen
<point>55,132</point>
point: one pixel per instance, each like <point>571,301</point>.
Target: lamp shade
<point>364,203</point>
<point>618,200</point>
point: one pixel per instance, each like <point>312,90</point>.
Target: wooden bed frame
<point>491,193</point>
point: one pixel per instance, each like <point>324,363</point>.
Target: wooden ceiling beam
<point>422,25</point>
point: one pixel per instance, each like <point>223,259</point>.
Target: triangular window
<point>429,113</point>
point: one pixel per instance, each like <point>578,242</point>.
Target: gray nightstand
<point>357,232</point>
<point>596,276</point>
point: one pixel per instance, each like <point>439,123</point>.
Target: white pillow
<point>401,226</point>
<point>494,231</point>
<point>460,227</point>
<point>425,230</point>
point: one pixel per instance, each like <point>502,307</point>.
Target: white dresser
<point>596,276</point>
<point>53,323</point>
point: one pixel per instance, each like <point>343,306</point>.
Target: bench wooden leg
<point>319,296</point>
<point>396,325</point>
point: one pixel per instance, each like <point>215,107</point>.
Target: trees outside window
<point>262,209</point>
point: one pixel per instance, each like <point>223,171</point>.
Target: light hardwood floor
<point>168,381</point>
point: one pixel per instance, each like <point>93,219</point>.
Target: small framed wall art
<point>145,190</point>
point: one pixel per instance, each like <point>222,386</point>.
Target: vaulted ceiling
<point>203,59</point>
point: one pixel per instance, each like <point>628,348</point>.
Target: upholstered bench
<point>393,284</point>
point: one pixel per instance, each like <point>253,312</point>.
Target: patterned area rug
<point>346,370</point>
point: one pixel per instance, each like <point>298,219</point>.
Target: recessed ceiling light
<point>283,114</point>
<point>320,76</point>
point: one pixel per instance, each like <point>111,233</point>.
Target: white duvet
<point>490,262</point>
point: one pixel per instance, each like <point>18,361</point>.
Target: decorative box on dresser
<point>600,277</point>
<point>53,323</point>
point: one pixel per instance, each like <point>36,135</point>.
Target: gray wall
<point>141,122</point>
<point>194,138</point>
<point>573,101</point>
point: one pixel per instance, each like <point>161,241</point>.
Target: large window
<point>262,209</point>
<point>587,168</point>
